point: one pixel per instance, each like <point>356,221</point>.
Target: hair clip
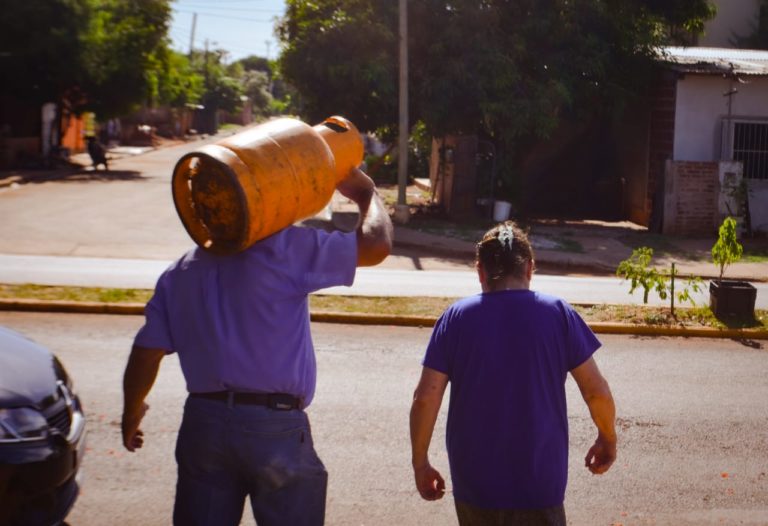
<point>506,236</point>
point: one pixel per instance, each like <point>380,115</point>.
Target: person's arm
<point>426,405</point>
<point>597,395</point>
<point>140,375</point>
<point>374,231</point>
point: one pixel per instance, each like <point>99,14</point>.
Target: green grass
<point>407,306</point>
<point>380,305</point>
<point>471,230</point>
<point>84,294</point>
<point>755,255</point>
<point>661,246</point>
<point>568,245</point>
<point>662,316</point>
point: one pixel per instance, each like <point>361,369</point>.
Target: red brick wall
<point>661,141</point>
<point>690,201</point>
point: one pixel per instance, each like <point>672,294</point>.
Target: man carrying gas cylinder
<point>240,325</point>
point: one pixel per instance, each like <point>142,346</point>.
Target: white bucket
<point>501,210</point>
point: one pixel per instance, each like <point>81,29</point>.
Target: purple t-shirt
<point>241,322</point>
<point>507,355</point>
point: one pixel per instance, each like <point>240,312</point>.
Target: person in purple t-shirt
<point>507,353</point>
<point>240,327</point>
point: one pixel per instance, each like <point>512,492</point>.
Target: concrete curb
<point>687,332</point>
<point>137,309</point>
<point>78,307</point>
<point>10,180</point>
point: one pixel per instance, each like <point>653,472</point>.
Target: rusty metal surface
<point>708,60</point>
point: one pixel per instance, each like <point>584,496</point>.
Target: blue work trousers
<point>227,452</point>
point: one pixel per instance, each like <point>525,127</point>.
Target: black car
<point>42,434</point>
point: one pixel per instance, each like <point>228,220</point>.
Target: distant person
<point>97,152</point>
<point>507,353</point>
<point>240,326</point>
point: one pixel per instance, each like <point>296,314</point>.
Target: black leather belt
<point>279,401</point>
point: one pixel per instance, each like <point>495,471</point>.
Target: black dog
<point>97,153</point>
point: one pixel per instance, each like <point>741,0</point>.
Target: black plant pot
<point>732,299</point>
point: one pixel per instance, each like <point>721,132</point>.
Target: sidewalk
<point>596,248</point>
<point>79,162</point>
<point>561,247</point>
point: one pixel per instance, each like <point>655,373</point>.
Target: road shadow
<point>418,254</point>
<point>415,254</point>
<point>80,175</point>
<point>752,344</point>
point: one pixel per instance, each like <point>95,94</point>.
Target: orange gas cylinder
<point>246,187</point>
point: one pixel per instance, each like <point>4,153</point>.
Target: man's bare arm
<point>140,374</point>
<point>597,395</point>
<point>426,405</point>
<point>374,231</point>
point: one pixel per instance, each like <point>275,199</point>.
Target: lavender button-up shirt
<point>241,322</point>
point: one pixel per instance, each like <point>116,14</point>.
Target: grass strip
<point>81,294</point>
<point>416,307</point>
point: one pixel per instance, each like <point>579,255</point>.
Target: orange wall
<point>73,133</point>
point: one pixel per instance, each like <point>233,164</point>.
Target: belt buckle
<point>281,402</point>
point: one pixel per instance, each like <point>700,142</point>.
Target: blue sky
<point>242,27</point>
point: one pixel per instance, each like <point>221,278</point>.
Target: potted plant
<point>730,298</point>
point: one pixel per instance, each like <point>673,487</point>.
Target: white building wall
<point>701,106</point>
<point>734,18</point>
<point>758,204</point>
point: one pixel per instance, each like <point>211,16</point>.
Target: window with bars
<point>747,141</point>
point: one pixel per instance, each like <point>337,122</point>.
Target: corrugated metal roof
<point>713,60</point>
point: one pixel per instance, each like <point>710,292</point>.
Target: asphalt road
<point>376,281</point>
<point>691,412</point>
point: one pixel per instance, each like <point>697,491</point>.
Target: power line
<point>219,2</point>
<point>226,8</point>
<point>178,35</point>
<point>244,19</point>
<point>181,40</point>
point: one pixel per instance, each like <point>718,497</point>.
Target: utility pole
<point>192,35</point>
<point>271,85</point>
<point>205,64</point>
<point>210,109</point>
<point>402,213</point>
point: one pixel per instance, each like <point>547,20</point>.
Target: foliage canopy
<point>727,248</point>
<point>512,70</point>
<point>107,56</point>
<point>638,271</point>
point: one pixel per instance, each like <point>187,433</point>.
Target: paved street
<point>691,418</point>
<point>120,229</point>
<point>376,281</point>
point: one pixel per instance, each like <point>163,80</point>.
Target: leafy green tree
<point>174,80</point>
<point>221,89</point>
<point>41,47</point>
<point>727,248</point>
<point>340,55</point>
<point>122,48</point>
<point>107,56</point>
<point>256,63</point>
<point>276,94</point>
<point>512,70</point>
<point>256,88</point>
<point>758,39</point>
<point>638,270</point>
